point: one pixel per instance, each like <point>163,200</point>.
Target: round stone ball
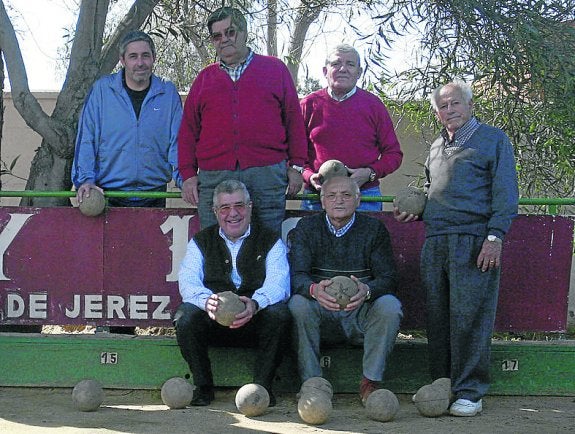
<point>314,408</point>
<point>382,405</point>
<point>431,400</point>
<point>331,168</point>
<point>177,392</point>
<point>88,395</point>
<point>229,305</point>
<point>252,400</point>
<point>317,385</point>
<point>342,288</point>
<point>445,383</point>
<point>93,205</point>
<point>411,200</point>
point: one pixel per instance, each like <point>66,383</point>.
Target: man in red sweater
<point>241,121</point>
<point>348,124</point>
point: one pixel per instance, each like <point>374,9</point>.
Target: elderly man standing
<point>472,199</point>
<point>348,124</point>
<point>249,260</point>
<point>241,121</point>
<point>342,242</point>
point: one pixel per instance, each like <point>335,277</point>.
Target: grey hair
<point>230,186</point>
<point>459,84</point>
<point>343,48</point>
<point>221,14</point>
<point>133,36</point>
<point>349,180</point>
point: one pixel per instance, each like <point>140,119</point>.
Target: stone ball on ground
<point>445,383</point>
<point>432,400</point>
<point>342,288</point>
<point>93,205</point>
<point>252,399</point>
<point>88,395</point>
<point>382,405</point>
<point>317,385</point>
<point>411,200</point>
<point>331,168</point>
<point>229,305</point>
<point>177,392</point>
<point>314,408</point>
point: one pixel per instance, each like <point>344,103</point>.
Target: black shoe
<point>272,398</point>
<point>203,396</point>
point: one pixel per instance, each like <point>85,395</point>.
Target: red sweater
<point>357,131</point>
<point>255,121</point>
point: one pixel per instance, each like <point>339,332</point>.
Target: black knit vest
<point>251,260</point>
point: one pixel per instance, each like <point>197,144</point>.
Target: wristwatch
<point>493,238</point>
<point>368,295</point>
<point>297,168</point>
<point>372,175</point>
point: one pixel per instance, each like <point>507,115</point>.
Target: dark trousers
<point>267,332</point>
<point>461,307</point>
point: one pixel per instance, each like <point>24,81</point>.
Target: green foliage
<point>519,55</point>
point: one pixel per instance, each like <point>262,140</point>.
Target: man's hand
<point>360,175</point>
<point>212,306</point>
<point>314,181</point>
<point>403,217</point>
<point>323,298</point>
<point>358,299</point>
<point>246,315</point>
<point>190,190</point>
<point>490,255</point>
<point>84,190</point>
<point>295,181</point>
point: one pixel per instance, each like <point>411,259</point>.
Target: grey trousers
<point>373,325</point>
<point>461,306</point>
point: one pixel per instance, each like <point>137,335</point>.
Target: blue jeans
<point>315,205</point>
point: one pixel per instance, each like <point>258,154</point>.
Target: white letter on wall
<point>179,227</point>
<point>8,234</point>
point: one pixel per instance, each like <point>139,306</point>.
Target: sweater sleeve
<point>387,143</point>
<point>293,120</point>
<point>382,262</point>
<point>189,132</point>
<point>300,259</point>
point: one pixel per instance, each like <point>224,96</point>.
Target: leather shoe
<point>272,398</point>
<point>203,396</point>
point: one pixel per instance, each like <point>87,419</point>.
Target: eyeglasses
<point>230,33</point>
<point>332,197</point>
<point>240,207</point>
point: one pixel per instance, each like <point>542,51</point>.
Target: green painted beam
<point>33,360</point>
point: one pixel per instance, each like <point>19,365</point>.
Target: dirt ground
<point>36,410</point>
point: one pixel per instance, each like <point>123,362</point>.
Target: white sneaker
<point>465,407</point>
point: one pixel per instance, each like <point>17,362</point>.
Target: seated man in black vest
<point>341,242</point>
<point>244,258</point>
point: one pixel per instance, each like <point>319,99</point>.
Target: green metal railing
<point>552,204</point>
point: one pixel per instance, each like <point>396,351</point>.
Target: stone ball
<point>252,400</point>
<point>331,168</point>
<point>88,395</point>
<point>342,288</point>
<point>93,205</point>
<point>431,400</point>
<point>411,200</point>
<point>445,383</point>
<point>382,405</point>
<point>229,305</point>
<point>177,392</point>
<point>317,385</point>
<point>314,408</point>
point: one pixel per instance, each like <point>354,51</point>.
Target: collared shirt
<point>236,72</point>
<point>460,137</point>
<point>276,286</point>
<point>343,98</point>
<point>341,231</point>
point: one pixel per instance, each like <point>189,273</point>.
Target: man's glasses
<point>240,207</point>
<point>332,197</point>
<point>230,33</point>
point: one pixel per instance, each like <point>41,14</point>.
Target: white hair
<point>462,86</point>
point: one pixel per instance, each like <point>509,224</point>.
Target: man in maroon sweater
<point>348,124</point>
<point>241,121</point>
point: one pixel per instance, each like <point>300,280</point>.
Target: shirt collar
<point>343,98</point>
<point>242,238</point>
<point>341,231</point>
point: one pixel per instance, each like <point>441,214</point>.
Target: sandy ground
<point>35,410</point>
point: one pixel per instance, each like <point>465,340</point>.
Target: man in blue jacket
<point>127,133</point>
